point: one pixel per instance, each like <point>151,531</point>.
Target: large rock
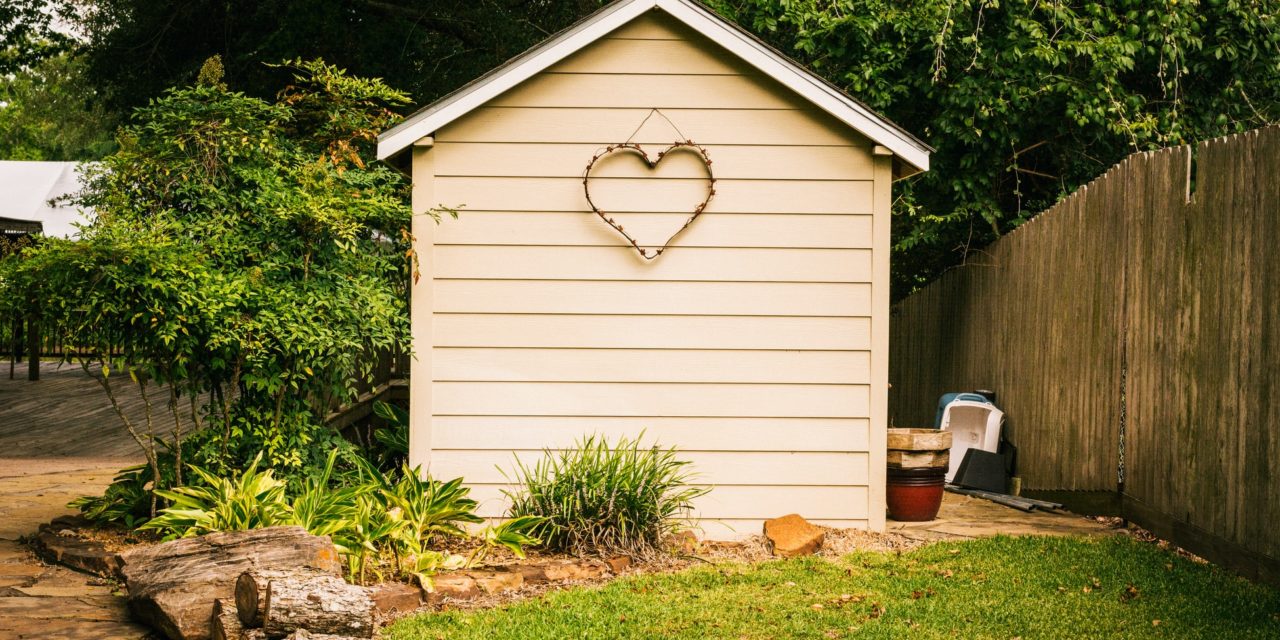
<point>59,545</point>
<point>172,586</point>
<point>793,536</point>
<point>395,596</point>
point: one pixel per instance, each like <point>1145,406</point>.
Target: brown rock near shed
<point>564,570</point>
<point>619,564</point>
<point>492,582</point>
<point>303,634</point>
<point>395,596</point>
<point>918,440</point>
<point>172,586</point>
<point>455,586</point>
<point>793,536</point>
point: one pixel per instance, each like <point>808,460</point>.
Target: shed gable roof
<point>737,41</point>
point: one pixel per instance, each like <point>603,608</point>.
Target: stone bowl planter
<point>917,470</point>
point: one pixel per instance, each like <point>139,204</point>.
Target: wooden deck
<point>66,414</point>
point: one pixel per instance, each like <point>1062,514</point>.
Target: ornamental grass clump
<point>598,498</point>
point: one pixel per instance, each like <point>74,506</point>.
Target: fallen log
<point>173,586</point>
<point>319,604</point>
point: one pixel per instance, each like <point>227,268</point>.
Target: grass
<point>1004,588</point>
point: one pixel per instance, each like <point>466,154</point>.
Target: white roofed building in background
<point>27,187</point>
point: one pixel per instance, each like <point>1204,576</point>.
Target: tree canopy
<point>138,48</point>
<point>1027,100</point>
<point>246,256</point>
<point>1024,100</point>
<point>51,111</point>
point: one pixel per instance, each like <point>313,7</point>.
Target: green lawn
<point>997,588</point>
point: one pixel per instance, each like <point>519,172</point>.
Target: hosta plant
<point>254,500</point>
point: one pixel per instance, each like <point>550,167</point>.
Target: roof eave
<point>906,148</point>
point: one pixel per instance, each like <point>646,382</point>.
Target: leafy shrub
<point>602,498</point>
<point>126,501</point>
<point>395,435</point>
<point>377,521</point>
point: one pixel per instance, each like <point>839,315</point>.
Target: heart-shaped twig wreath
<point>687,146</point>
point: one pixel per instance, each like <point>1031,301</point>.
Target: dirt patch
<point>753,549</point>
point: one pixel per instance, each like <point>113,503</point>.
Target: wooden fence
<point>1132,333</point>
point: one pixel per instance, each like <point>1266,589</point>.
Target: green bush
<point>382,524</point>
<point>602,498</point>
<point>126,501</point>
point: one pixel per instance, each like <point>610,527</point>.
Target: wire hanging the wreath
<point>686,145</point>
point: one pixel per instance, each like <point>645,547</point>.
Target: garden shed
<point>665,226</point>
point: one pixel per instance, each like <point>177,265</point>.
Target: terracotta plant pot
<point>914,495</point>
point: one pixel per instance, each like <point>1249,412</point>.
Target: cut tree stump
<point>172,586</point>
<point>251,594</point>
<point>320,604</point>
<point>225,624</point>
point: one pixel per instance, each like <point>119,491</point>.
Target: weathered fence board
<point>1132,333</point>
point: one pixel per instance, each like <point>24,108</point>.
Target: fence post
<point>33,348</point>
<point>15,342</point>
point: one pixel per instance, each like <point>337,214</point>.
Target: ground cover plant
<point>603,498</point>
<point>386,525</point>
<point>1032,587</point>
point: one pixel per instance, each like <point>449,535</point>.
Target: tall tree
<point>51,111</point>
<point>138,48</point>
<point>1026,100</point>
<point>27,35</point>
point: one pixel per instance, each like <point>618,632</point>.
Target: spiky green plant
<point>127,499</point>
<point>254,500</point>
<point>325,510</point>
<point>513,535</point>
<point>601,498</point>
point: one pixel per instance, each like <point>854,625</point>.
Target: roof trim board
<point>737,41</point>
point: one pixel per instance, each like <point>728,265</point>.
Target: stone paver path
<point>45,601</point>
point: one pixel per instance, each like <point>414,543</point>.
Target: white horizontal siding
<point>711,127</point>
<point>663,91</point>
<point>569,160</point>
<point>531,433</point>
<point>619,365</point>
<point>715,230</point>
<point>648,56</point>
<point>644,195</point>
<point>719,468</point>
<point>650,399</point>
<point>650,332</point>
<point>653,297</point>
<point>726,264</point>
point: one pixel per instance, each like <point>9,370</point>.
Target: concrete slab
<point>963,517</point>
